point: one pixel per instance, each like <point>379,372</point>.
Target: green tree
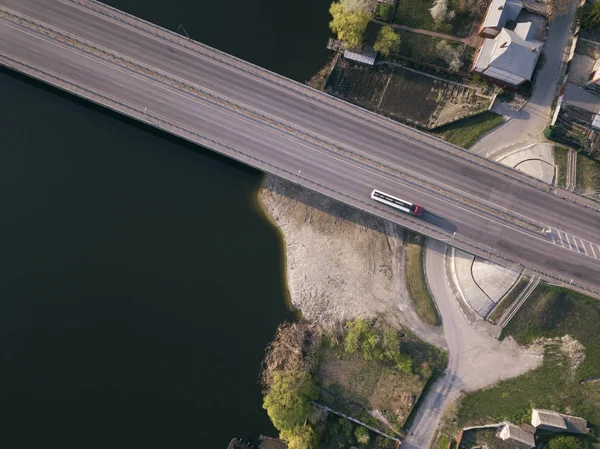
<point>567,442</point>
<point>362,337</point>
<point>362,435</point>
<point>301,437</point>
<point>288,402</point>
<point>348,24</point>
<point>589,15</point>
<point>388,41</point>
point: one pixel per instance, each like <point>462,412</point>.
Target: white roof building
<point>509,57</point>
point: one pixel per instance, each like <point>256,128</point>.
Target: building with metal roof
<point>509,57</point>
<point>365,56</point>
<point>516,436</point>
<point>558,422</point>
<point>499,12</point>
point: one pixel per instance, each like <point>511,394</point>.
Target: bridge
<point>288,129</point>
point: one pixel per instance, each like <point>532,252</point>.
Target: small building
<point>557,422</point>
<point>365,56</point>
<point>499,12</point>
<point>509,58</point>
<point>516,436</point>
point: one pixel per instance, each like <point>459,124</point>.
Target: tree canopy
<point>302,437</point>
<point>589,15</point>
<point>349,21</point>
<point>388,41</point>
<point>288,402</point>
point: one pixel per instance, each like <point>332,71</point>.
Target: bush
<point>589,15</point>
<point>567,442</point>
<point>384,11</point>
<point>388,41</point>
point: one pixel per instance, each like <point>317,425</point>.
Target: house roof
<point>511,56</point>
<point>524,29</point>
<point>515,434</point>
<point>502,11</point>
<point>578,97</point>
<point>574,423</point>
<point>547,418</point>
<point>365,56</point>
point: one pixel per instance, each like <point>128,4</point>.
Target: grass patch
<point>355,384</point>
<point>415,13</point>
<point>433,50</point>
<point>560,160</point>
<point>508,300</point>
<point>588,174</point>
<point>555,311</point>
<point>415,280</point>
<point>550,386</point>
<point>549,312</point>
<point>465,132</point>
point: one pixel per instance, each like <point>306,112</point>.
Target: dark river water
<point>139,281</point>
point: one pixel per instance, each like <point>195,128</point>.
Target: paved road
<point>290,130</point>
<point>471,354</point>
<point>528,124</point>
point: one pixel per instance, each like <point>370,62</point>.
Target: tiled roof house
<point>497,15</point>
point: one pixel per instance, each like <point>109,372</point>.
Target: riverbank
<point>341,263</point>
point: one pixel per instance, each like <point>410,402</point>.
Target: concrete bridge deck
<point>288,129</point>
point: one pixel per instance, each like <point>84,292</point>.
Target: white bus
<point>397,203</point>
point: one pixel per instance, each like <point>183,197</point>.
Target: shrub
<point>388,41</point>
<point>362,435</point>
<point>567,442</point>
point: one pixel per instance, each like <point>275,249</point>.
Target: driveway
<point>475,359</point>
<point>527,125</point>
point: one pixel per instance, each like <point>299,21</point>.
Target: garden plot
<point>405,94</point>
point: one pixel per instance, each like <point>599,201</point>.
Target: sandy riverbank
<point>341,263</point>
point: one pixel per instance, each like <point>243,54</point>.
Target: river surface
<point>139,281</point>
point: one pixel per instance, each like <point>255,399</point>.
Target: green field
<point>465,132</point>
<point>415,14</point>
<point>415,280</point>
<point>588,174</point>
<point>550,312</point>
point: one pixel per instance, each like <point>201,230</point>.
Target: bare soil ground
<point>341,263</point>
<point>404,94</point>
<point>369,385</point>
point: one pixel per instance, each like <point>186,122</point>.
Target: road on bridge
<point>288,129</point>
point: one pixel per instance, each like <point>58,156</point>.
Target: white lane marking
<point>583,246</point>
<point>567,239</point>
<point>594,252</point>
<point>560,240</point>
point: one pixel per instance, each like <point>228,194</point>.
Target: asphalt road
<point>290,130</point>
